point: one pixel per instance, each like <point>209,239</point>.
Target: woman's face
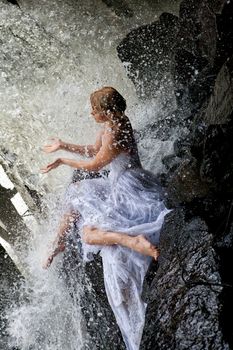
<point>100,117</point>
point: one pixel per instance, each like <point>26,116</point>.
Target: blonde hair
<point>108,99</point>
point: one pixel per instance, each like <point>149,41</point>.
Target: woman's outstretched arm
<point>83,150</point>
<point>106,154</point>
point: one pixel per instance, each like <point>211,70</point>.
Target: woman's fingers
<point>47,149</point>
<point>47,168</point>
<point>51,166</point>
<point>44,170</point>
<point>50,148</point>
<point>53,147</point>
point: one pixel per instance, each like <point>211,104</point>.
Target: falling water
<point>52,99</point>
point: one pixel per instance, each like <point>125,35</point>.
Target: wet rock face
<point>190,297</point>
<point>204,160</point>
<point>9,277</point>
<point>220,104</point>
<point>120,7</point>
<point>28,49</point>
<point>188,49</point>
<point>147,53</point>
<point>184,296</point>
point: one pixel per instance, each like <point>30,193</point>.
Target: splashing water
<point>48,315</point>
<point>53,100</point>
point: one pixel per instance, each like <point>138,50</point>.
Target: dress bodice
<point>124,161</point>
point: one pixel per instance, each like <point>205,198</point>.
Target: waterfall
<point>57,54</point>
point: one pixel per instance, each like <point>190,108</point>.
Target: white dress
<point>128,200</point>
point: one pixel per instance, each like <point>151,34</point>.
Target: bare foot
<point>143,246</point>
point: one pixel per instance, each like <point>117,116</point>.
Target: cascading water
<point>76,45</point>
<point>48,316</point>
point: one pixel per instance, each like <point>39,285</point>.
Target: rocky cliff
<point>189,293</point>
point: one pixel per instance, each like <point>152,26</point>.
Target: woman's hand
<point>52,166</point>
<point>55,146</point>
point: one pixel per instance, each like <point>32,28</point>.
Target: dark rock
<point>224,22</point>
<point>147,53</point>
<point>195,50</point>
<point>11,219</point>
<point>224,247</point>
<point>201,167</point>
<point>185,183</point>
<point>198,32</point>
<point>220,104</point>
<point>217,163</point>
<point>14,2</point>
<point>216,5</point>
<point>9,291</point>
<point>185,290</point>
<point>120,7</point>
<point>190,61</point>
<point>203,161</point>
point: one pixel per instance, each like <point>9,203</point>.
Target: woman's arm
<point>106,154</point>
<point>83,150</point>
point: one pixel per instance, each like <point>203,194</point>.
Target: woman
<point>120,215</point>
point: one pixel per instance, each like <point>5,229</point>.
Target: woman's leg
<point>138,243</point>
<point>66,224</point>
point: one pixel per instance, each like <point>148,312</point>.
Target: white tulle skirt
<point>127,201</point>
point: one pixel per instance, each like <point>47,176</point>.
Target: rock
<point>146,52</point>
<point>120,7</point>
<point>29,49</point>
<point>203,167</point>
<point>224,21</point>
<point>220,105</point>
<point>198,31</point>
<point>217,163</point>
<point>195,50</point>
<point>192,284</point>
<point>185,290</point>
<point>152,57</point>
<point>185,183</point>
<point>9,292</point>
<point>13,222</point>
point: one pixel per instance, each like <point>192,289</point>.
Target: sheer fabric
<point>128,200</point>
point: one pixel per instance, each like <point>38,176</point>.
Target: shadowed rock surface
<point>184,297</point>
<point>10,281</point>
<point>190,297</point>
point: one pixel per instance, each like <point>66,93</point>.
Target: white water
<point>48,317</point>
<point>55,102</point>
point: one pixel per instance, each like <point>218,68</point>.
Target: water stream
<point>52,99</point>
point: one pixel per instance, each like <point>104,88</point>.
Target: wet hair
<point>108,99</point>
